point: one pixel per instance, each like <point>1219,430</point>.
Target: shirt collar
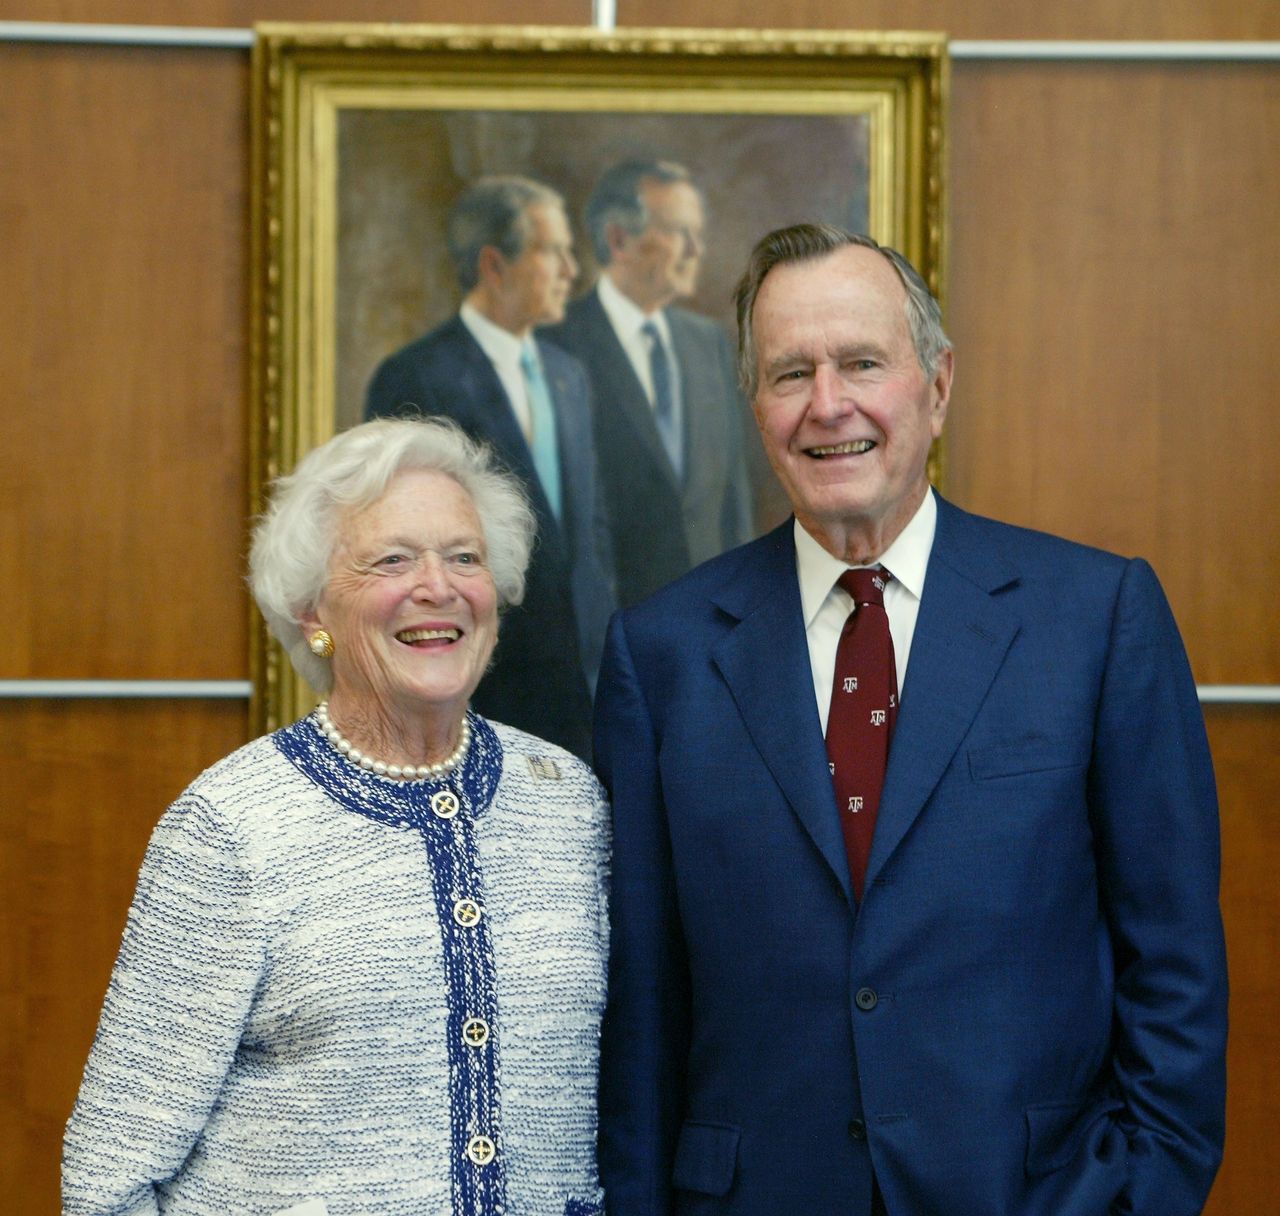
<point>907,559</point>
<point>501,345</point>
<point>625,314</point>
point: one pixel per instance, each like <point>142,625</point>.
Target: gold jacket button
<point>475,1032</point>
<point>481,1150</point>
<point>444,804</point>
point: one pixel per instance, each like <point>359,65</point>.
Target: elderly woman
<point>364,969</point>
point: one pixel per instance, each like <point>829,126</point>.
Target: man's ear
<point>491,266</point>
<point>941,387</point>
<point>616,237</point>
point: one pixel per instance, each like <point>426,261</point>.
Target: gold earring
<point>321,644</point>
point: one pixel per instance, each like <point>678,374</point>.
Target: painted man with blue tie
<point>512,250</point>
<point>950,953</point>
<point>668,418</point>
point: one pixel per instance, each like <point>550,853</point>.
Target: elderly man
<point>667,415</point>
<point>949,955</point>
<point>512,250</point>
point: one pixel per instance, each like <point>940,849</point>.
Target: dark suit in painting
<point>661,525</point>
<point>1026,1014</point>
<point>549,646</point>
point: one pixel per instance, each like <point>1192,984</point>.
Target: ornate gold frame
<point>304,76</point>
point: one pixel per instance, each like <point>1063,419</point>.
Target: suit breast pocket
<point>1021,757</point>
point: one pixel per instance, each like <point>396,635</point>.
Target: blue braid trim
<point>398,803</point>
<point>469,970</point>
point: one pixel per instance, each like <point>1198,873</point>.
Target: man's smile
<point>855,447</point>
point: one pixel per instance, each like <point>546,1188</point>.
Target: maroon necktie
<point>864,704</point>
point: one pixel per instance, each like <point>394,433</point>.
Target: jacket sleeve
<point>175,1009</point>
<point>1155,816</point>
<point>646,1025</point>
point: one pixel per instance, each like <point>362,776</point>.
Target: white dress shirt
<point>627,318</point>
<point>826,606</point>
<point>503,349</point>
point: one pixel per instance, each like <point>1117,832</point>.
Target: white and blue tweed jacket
<point>329,992</point>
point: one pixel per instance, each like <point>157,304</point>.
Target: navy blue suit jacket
<point>662,524</point>
<point>1026,1016</point>
<point>549,647</point>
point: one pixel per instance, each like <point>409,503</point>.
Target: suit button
<point>865,999</point>
<point>858,1129</point>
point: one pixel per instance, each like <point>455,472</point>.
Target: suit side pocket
<point>706,1158</point>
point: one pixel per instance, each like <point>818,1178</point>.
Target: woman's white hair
<point>295,538</point>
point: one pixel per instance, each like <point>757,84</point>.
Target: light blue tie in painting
<point>542,445</point>
<point>664,404</point>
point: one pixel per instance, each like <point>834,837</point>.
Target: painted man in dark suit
<point>512,250</point>
<point>1007,997</point>
<point>668,417</point>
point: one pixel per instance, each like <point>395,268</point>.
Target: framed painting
<point>365,136</point>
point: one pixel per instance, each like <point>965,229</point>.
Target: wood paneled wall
<point>1112,297</point>
<point>1244,743</point>
<point>84,781</point>
<point>1111,304</point>
<point>123,290</point>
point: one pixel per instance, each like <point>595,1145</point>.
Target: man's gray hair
<point>808,242</point>
<point>295,538</point>
<point>493,211</point>
<point>617,199</point>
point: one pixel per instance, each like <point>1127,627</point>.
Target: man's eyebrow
<point>788,359</point>
<point>861,350</point>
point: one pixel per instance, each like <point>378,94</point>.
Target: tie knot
<point>528,359</point>
<point>650,331</point>
<point>866,585</point>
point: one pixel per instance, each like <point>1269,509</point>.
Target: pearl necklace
<point>407,772</point>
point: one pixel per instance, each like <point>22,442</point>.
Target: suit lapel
<point>700,392</point>
<point>627,396</point>
<point>961,637</point>
<point>479,382</point>
<point>765,662</point>
<point>572,446</point>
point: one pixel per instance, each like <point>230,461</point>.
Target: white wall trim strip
<point>604,17</point>
<point>1239,694</point>
<point>214,690</point>
<point>122,690</point>
<point>125,35</point>
<point>1199,52</point>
